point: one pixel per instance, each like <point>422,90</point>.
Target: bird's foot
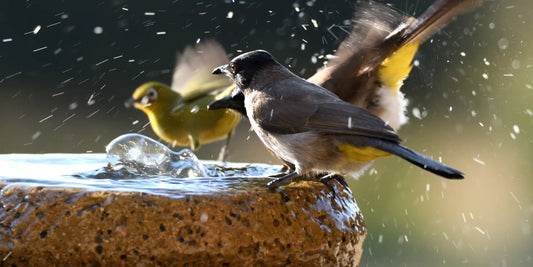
<point>274,184</point>
<point>328,177</point>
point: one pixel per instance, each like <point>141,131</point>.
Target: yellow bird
<point>178,113</point>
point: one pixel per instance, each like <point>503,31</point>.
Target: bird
<point>312,128</point>
<point>370,65</point>
<point>178,112</point>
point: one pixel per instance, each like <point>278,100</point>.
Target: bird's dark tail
<point>420,160</point>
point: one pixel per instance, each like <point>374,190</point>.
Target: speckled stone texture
<point>44,226</point>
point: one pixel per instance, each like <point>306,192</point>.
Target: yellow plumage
<point>395,69</point>
<point>178,113</point>
<point>392,72</point>
<point>361,154</point>
<point>185,123</point>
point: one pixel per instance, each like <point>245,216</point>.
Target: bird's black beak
<point>220,70</point>
<point>129,102</point>
<point>235,102</point>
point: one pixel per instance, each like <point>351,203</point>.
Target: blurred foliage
<point>62,89</point>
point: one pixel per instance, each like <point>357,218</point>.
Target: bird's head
<point>245,68</point>
<point>150,96</point>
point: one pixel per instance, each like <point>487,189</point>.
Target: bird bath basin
<point>90,209</point>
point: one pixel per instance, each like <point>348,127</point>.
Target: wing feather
<point>301,106</point>
<point>192,76</point>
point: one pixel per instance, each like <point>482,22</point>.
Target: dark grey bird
<point>310,127</point>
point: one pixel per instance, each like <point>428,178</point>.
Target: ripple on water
<point>92,171</point>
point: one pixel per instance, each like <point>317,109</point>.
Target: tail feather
<point>437,16</point>
<point>420,160</point>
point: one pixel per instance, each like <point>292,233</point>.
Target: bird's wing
<point>377,31</point>
<point>300,109</point>
<point>350,74</point>
<point>192,76</point>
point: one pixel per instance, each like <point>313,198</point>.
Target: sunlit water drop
<point>36,29</point>
<point>98,30</point>
<point>516,129</point>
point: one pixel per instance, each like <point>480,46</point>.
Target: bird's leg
<point>274,184</point>
<point>224,151</point>
<point>193,142</point>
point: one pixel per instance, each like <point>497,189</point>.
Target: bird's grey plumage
<point>294,105</point>
<point>304,124</point>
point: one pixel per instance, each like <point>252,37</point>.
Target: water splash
<point>142,155</point>
<point>93,172</point>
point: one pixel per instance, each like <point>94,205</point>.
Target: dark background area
<point>64,86</point>
<point>62,91</point>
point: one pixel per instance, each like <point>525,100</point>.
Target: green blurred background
<point>66,68</point>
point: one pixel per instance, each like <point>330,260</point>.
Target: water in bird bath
<point>133,163</point>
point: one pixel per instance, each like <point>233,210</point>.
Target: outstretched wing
<point>192,76</point>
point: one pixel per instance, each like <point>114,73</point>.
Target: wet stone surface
<point>100,222</point>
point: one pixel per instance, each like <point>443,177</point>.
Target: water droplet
<point>503,43</point>
<point>315,23</point>
<point>479,161</point>
<point>515,64</point>
<point>73,105</point>
<point>516,129</point>
<point>195,109</point>
<point>416,113</point>
<point>98,30</point>
<point>296,7</point>
<point>37,29</point>
<point>36,135</point>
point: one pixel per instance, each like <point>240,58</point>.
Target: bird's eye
<point>233,68</point>
<point>151,94</point>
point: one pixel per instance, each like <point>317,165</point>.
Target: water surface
<point>92,171</point>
